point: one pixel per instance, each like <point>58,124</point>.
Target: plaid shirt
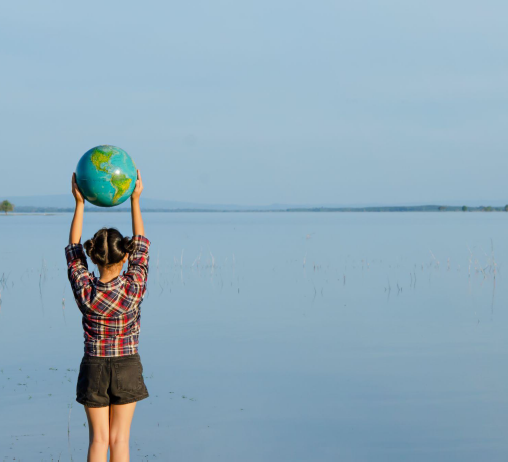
<point>111,310</point>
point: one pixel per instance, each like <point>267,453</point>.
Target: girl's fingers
<point>139,182</point>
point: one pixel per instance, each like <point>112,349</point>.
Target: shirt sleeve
<point>137,271</point>
<point>77,272</point>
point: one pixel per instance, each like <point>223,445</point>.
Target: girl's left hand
<point>76,192</point>
<point>138,188</point>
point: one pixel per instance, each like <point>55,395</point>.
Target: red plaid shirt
<point>111,310</point>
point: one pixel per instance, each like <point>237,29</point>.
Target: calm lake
<point>274,337</point>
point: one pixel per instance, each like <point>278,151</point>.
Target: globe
<point>106,176</point>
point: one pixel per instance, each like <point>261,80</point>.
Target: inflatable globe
<point>106,176</point>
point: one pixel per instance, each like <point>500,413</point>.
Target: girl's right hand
<point>76,192</point>
<point>139,187</point>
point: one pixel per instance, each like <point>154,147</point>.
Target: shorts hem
<point>133,400</point>
<point>128,401</point>
<point>88,404</point>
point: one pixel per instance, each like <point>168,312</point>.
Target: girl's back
<point>111,310</point>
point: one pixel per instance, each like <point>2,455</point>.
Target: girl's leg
<point>119,431</point>
<point>98,427</point>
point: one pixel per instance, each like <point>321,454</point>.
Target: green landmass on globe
<point>106,176</point>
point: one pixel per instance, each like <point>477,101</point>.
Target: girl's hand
<point>76,192</point>
<point>139,187</point>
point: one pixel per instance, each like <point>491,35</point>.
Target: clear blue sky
<point>255,102</point>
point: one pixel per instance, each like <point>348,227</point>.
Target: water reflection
<point>274,337</point>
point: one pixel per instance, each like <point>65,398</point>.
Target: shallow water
<point>274,337</point>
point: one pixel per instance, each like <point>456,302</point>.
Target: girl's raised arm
<point>138,228</point>
<point>77,268</point>
<point>77,221</point>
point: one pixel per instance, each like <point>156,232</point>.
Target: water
<point>274,337</point>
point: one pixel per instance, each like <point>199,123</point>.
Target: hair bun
<point>89,246</point>
<point>128,244</point>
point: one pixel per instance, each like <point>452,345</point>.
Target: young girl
<point>110,379</point>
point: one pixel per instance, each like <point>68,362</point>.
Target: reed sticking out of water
<point>42,278</point>
<point>197,260</point>
<point>69,423</point>
<point>494,264</point>
<point>213,262</point>
<point>470,261</point>
<point>4,279</point>
<point>435,259</point>
<point>63,307</point>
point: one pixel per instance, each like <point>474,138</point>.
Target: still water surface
<point>274,337</point>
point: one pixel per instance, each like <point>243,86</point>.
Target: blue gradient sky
<point>255,102</point>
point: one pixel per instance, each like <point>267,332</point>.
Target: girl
<point>110,379</point>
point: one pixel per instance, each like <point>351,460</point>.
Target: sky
<point>260,102</point>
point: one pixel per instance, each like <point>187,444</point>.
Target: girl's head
<point>108,247</point>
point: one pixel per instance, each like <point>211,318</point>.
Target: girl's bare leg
<point>98,428</point>
<point>119,431</point>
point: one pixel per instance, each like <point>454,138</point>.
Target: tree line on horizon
<point>6,206</point>
<point>415,208</point>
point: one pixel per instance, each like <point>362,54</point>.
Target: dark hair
<point>108,246</point>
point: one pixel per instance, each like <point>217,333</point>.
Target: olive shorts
<point>110,380</point>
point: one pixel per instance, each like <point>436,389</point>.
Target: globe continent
<point>106,176</point>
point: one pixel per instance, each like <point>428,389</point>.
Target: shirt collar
<point>108,285</point>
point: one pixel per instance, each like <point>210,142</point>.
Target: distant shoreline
<point>17,214</point>
<point>25,210</point>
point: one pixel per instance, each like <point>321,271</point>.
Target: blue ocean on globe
<point>106,176</point>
